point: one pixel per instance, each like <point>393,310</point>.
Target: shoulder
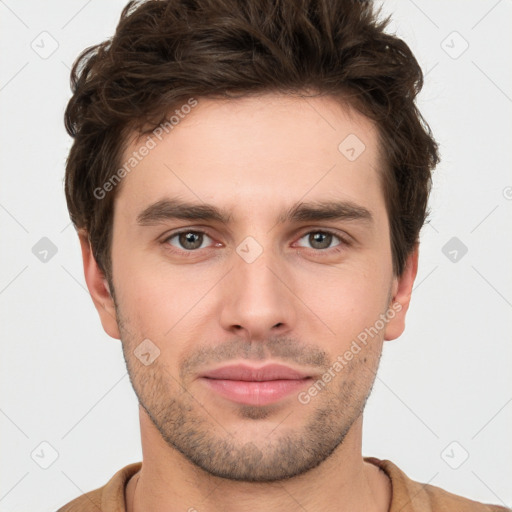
<point>108,498</point>
<point>90,501</point>
<point>409,495</point>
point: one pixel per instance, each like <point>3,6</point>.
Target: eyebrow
<point>170,209</point>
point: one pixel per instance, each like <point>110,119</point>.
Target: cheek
<point>141,292</point>
<point>158,299</point>
<point>346,300</point>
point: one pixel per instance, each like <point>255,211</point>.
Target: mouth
<point>255,386</point>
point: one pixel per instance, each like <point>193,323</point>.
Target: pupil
<point>189,240</point>
<point>323,239</point>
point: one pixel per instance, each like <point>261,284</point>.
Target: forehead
<point>255,153</point>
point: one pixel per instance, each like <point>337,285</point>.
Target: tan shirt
<point>407,495</point>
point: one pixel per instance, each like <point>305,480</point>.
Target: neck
<point>343,482</point>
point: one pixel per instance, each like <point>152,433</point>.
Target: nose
<point>258,300</point>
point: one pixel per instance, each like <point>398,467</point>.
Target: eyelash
<point>191,253</point>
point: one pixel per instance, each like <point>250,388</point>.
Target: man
<point>248,180</point>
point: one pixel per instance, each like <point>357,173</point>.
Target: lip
<point>254,374</point>
<point>255,386</point>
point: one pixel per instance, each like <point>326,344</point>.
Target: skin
<point>298,303</point>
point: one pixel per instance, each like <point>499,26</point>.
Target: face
<point>251,255</point>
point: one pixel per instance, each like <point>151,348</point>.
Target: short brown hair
<point>167,51</point>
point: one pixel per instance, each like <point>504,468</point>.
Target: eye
<point>321,240</point>
<point>188,240</point>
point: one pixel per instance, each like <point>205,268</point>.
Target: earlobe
<point>402,297</point>
<point>98,287</point>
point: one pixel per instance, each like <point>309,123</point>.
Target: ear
<point>98,288</point>
<point>402,290</point>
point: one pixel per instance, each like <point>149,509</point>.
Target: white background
<point>448,378</point>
